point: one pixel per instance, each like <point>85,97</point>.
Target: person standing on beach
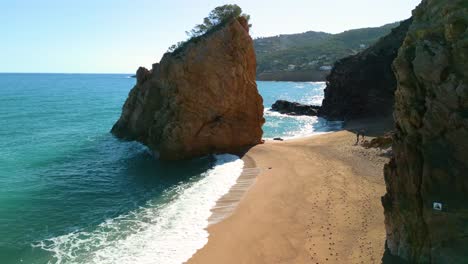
<point>359,133</point>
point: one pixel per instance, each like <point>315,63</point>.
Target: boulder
<point>200,99</point>
<point>382,142</point>
<point>426,209</point>
<point>293,108</point>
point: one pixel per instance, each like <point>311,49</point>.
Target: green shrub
<point>215,19</point>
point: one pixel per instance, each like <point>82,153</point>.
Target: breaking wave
<point>168,230</point>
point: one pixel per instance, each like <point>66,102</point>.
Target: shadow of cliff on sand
<point>388,258</point>
<point>370,127</point>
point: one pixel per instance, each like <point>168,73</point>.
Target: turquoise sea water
<point>71,193</point>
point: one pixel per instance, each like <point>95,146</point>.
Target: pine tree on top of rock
<point>216,17</point>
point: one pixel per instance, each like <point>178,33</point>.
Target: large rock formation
<point>363,85</point>
<point>426,205</point>
<point>198,100</point>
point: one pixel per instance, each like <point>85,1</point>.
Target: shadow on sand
<point>370,127</point>
<point>388,258</point>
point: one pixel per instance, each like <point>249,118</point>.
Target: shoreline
<point>226,205</point>
<point>315,198</point>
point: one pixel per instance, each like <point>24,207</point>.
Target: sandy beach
<point>314,200</point>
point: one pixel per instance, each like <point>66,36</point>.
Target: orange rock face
<point>198,101</point>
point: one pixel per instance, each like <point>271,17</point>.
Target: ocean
<point>72,193</point>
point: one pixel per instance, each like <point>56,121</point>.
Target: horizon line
<point>65,73</point>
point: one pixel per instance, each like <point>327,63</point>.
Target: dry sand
<point>315,200</point>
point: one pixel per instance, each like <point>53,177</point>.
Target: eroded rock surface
<point>430,163</point>
<point>199,100</point>
<point>363,85</point>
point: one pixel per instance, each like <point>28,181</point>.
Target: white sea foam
<point>162,233</point>
<point>321,83</point>
<point>304,125</point>
<point>268,112</point>
<point>315,100</point>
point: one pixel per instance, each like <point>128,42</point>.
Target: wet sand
<point>315,200</point>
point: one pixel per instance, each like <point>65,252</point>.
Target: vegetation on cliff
<point>215,20</point>
<point>312,50</point>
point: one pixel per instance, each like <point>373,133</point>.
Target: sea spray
<point>289,126</point>
<point>169,232</point>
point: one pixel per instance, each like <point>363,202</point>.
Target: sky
<point>118,36</point>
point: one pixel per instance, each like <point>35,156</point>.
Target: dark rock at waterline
<point>293,108</point>
<point>278,139</point>
<point>363,85</point>
<point>425,207</point>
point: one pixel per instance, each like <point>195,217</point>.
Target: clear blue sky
<point>117,36</point>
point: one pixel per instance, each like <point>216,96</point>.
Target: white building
<point>325,68</point>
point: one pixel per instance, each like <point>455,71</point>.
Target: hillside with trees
<point>309,56</point>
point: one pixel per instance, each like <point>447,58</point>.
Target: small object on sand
<point>278,139</point>
<point>269,168</point>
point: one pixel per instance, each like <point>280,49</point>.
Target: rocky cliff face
<point>426,206</point>
<point>199,100</point>
<point>363,85</point>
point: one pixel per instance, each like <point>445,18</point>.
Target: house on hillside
<point>325,68</point>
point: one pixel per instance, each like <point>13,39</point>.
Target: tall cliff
<point>198,100</point>
<point>426,206</point>
<point>363,85</point>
